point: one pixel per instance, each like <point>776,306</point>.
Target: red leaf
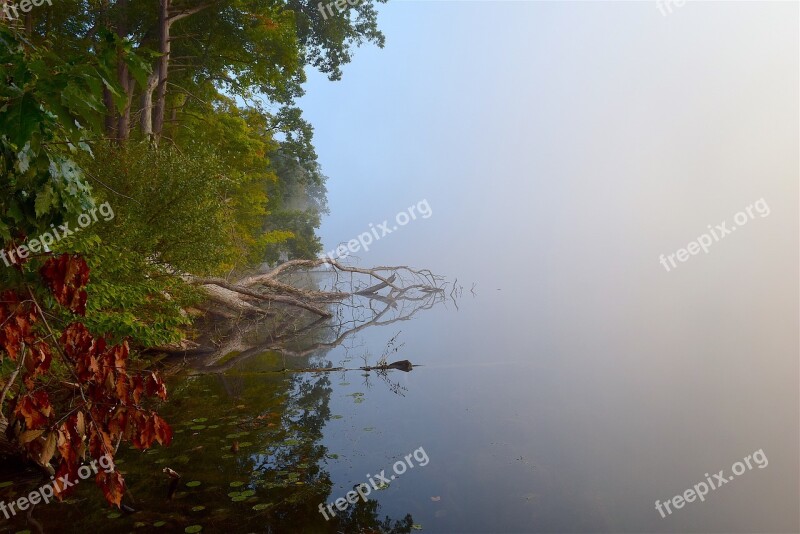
<point>123,389</point>
<point>163,430</point>
<point>155,386</point>
<point>71,472</point>
<point>77,340</point>
<point>113,485</point>
<point>67,276</point>
<point>34,409</point>
<point>118,424</point>
<point>138,388</point>
<point>144,432</point>
<point>37,361</point>
<point>99,442</point>
<point>16,319</point>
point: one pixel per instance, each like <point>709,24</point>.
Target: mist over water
<point>563,148</point>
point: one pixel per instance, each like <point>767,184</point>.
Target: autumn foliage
<point>62,423</point>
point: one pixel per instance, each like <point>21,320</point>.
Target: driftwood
<point>257,295</point>
<point>250,337</point>
<point>403,365</point>
<point>377,287</point>
<point>297,296</point>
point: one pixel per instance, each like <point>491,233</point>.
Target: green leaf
<point>46,198</point>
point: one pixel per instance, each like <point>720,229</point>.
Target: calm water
<point>574,417</point>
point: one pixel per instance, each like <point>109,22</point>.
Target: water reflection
<point>249,435</point>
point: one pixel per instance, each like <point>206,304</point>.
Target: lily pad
<point>193,529</point>
<point>236,484</point>
<point>261,507</point>
<point>193,484</point>
<point>159,524</point>
<point>198,508</point>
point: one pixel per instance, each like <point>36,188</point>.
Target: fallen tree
<point>293,299</point>
<point>256,293</point>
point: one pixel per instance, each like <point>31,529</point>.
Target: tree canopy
<point>143,144</point>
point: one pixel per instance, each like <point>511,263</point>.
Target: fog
<point>563,147</point>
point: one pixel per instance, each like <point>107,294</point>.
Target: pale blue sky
<point>529,124</point>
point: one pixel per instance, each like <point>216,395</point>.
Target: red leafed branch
<point>111,404</point>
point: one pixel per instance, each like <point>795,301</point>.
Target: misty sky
<point>563,147</point>
<point>530,125</point>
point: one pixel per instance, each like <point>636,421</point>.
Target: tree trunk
<point>124,121</point>
<point>164,23</point>
<point>108,100</point>
<point>110,122</point>
<point>124,77</point>
<point>147,105</point>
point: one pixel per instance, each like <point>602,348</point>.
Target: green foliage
<point>169,207</point>
<point>46,107</point>
<point>248,47</point>
<point>278,188</point>
<point>299,200</point>
<point>328,41</point>
<point>231,180</point>
<point>240,141</point>
<point>303,243</point>
<point>131,298</point>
